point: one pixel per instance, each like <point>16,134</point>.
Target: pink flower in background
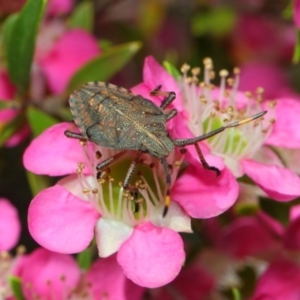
<point>150,250</point>
<point>7,93</point>
<point>68,54</point>
<point>107,281</point>
<point>10,227</point>
<point>59,7</point>
<point>241,149</point>
<point>255,35</point>
<point>45,273</point>
<point>269,76</point>
<point>296,13</point>
<point>193,282</point>
<point>279,281</point>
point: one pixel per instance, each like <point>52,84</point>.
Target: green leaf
<point>16,286</point>
<point>37,182</point>
<point>21,42</point>
<point>105,66</point>
<point>7,31</point>
<point>9,104</point>
<point>218,22</point>
<point>172,70</point>
<point>236,294</point>
<point>84,259</point>
<point>83,16</point>
<point>38,120</point>
<point>296,55</point>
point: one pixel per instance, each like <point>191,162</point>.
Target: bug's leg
<point>171,114</point>
<point>103,164</point>
<point>169,96</point>
<point>168,184</point>
<point>126,186</point>
<point>195,140</point>
<point>74,135</point>
<point>204,162</point>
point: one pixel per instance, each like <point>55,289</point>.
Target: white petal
<point>234,165</point>
<point>110,235</point>
<point>175,219</point>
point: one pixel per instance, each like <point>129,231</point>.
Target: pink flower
<point>58,7</point>
<point>107,280</point>
<point>69,53</point>
<point>296,13</point>
<point>10,227</point>
<point>267,75</point>
<point>150,250</point>
<point>241,149</point>
<point>255,35</point>
<point>193,282</point>
<point>45,273</point>
<point>7,93</point>
<point>279,281</point>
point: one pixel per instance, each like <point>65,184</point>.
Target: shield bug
<point>114,117</point>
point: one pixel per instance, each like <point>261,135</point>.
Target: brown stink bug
<point>114,117</point>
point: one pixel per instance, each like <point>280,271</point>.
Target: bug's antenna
<point>247,120</point>
<point>205,136</point>
<point>168,184</point>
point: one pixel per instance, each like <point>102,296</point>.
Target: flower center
<point>210,108</point>
<point>106,193</point>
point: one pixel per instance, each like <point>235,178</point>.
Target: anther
<point>195,71</point>
<point>248,94</point>
<point>86,190</point>
<point>223,73</point>
<point>82,142</point>
<point>230,81</point>
<point>236,71</point>
<point>98,154</point>
<point>185,67</point>
<point>177,164</point>
<point>203,99</point>
<point>183,150</point>
<point>101,180</point>
<point>95,191</point>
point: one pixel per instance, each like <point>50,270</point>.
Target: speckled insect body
<point>114,117</point>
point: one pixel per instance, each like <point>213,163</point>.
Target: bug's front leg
<point>133,190</point>
<point>169,96</point>
<point>74,135</point>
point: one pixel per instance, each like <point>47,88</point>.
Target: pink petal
<point>57,7</point>
<point>296,13</point>
<point>267,75</point>
<point>284,132</point>
<point>68,55</point>
<point>45,273</point>
<point>202,194</point>
<point>154,75</point>
<point>294,212</point>
<point>279,183</point>
<point>18,137</point>
<point>280,281</point>
<point>152,256</point>
<point>192,283</point>
<point>10,226</point>
<point>246,236</point>
<point>7,90</point>
<point>107,278</point>
<point>291,238</point>
<point>53,153</point>
<point>61,222</point>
